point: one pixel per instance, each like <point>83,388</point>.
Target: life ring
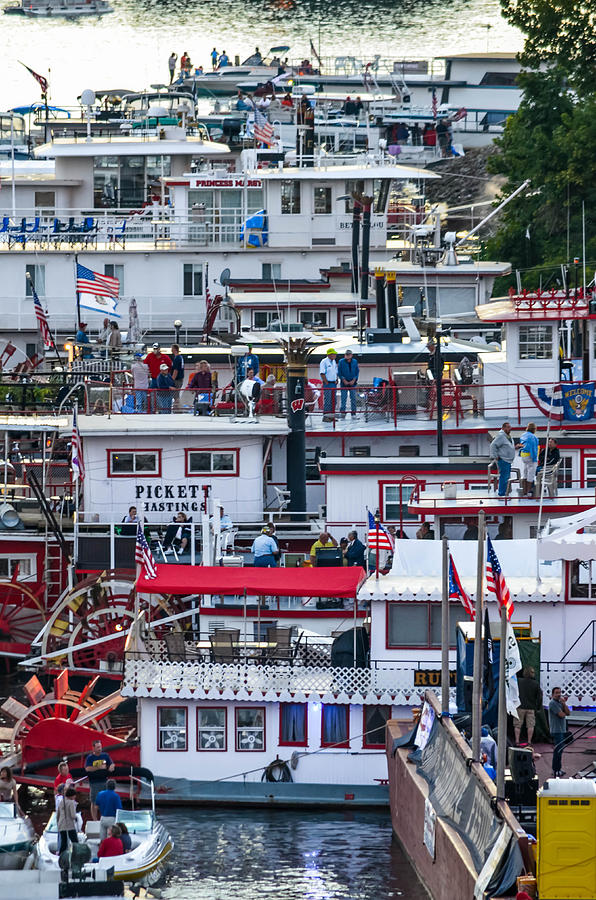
<point>276,771</point>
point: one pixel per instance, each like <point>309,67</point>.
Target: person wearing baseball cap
<point>154,360</point>
<point>166,387</point>
<point>328,372</point>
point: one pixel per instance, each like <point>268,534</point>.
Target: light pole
<point>177,327</point>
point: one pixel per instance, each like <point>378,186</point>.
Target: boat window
<point>193,280</point>
<point>270,271</point>
<point>322,201</point>
<point>135,820</point>
<point>211,728</point>
<point>132,461</point>
<point>418,624</point>
<point>171,728</point>
<point>35,277</point>
<point>250,728</point>
<point>535,342</point>
<point>10,564</point>
<point>501,79</point>
<point>352,187</point>
<point>290,198</point>
<point>313,473</point>
<point>292,724</point>
<point>314,318</point>
<point>375,719</point>
<point>45,203</point>
<point>265,318</point>
<point>200,462</point>
<point>335,729</point>
<point>158,167</point>
<point>395,502</point>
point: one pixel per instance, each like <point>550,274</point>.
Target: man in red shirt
<point>63,776</point>
<point>111,845</point>
<point>154,360</point>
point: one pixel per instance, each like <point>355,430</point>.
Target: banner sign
<point>578,401</point>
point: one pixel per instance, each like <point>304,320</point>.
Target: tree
<point>558,32</point>
<point>552,141</point>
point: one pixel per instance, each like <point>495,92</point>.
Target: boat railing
<point>370,66</point>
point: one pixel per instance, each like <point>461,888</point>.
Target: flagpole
<point>445,632</point>
<point>377,547</point>
<point>477,683</point>
<point>76,473</point>
<point>502,716</point>
<point>76,264</point>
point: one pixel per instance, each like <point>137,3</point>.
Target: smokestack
<point>366,205</point>
<point>355,243</point>
<point>296,441</point>
<point>380,295</point>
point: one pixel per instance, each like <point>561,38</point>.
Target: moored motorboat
<point>150,847</point>
<point>37,9</point>
<point>17,837</point>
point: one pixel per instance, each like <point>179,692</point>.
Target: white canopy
<point>417,571</point>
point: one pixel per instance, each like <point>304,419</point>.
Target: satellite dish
<point>224,278</point>
<point>88,97</point>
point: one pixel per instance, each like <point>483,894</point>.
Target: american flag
<point>89,282</point>
<point>42,82</point>
<point>76,449</point>
<point>143,555</point>
<point>378,537</point>
<point>263,130</point>
<point>42,320</point>
<point>456,591</point>
<point>495,580</point>
<point>434,104</point>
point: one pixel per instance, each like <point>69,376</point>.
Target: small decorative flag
<point>143,555</point>
<point>378,537</point>
<point>76,449</point>
<point>42,320</point>
<point>434,104</point>
<point>495,581</point>
<point>456,591</point>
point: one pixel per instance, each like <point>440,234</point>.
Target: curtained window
<point>375,718</point>
<point>292,724</point>
<point>335,730</point>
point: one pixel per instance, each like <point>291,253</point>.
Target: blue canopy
<point>256,225</point>
<point>25,110</point>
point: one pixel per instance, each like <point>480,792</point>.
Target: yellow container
<point>566,864</point>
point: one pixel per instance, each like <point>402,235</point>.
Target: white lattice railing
<point>383,683</point>
<point>576,683</point>
<point>214,681</point>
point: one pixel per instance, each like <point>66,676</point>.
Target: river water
<point>276,855</point>
<point>129,48</point>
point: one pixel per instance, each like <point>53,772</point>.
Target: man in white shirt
<point>328,371</point>
<point>264,549</point>
<point>140,382</point>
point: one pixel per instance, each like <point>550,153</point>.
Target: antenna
<point>224,278</point>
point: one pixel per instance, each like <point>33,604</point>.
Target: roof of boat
<point>146,145</point>
<point>331,172</point>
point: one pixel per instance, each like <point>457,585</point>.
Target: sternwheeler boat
<point>40,9</point>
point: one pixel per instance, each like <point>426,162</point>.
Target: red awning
<point>327,582</point>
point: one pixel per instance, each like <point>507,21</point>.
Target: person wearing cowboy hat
<point>328,372</point>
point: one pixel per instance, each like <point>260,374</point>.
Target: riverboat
<point>38,9</point>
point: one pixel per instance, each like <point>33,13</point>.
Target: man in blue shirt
<point>166,388</point>
<point>83,338</point>
<point>97,766</point>
<point>348,372</point>
<point>108,802</point>
<point>529,454</point>
<point>264,549</point>
<point>249,361</point>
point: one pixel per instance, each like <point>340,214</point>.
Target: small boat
<point>151,846</point>
<point>17,837</point>
<point>39,9</point>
